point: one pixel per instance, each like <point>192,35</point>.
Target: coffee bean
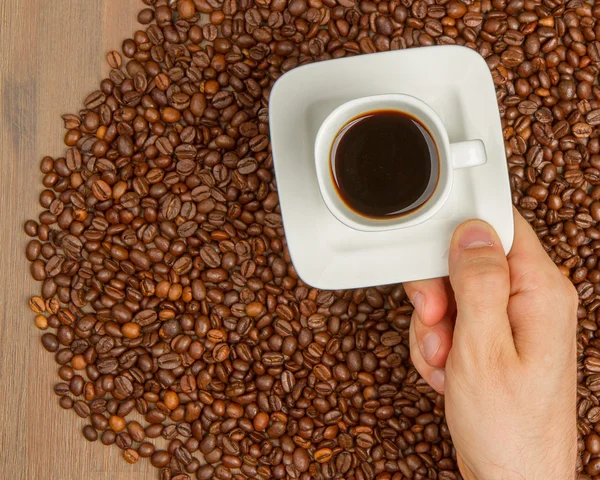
<point>205,472</point>
<point>323,455</point>
<point>288,381</point>
<point>81,408</point>
<point>593,50</point>
<point>101,190</point>
<point>90,433</point>
<point>131,456</point>
<point>160,458</point>
<point>114,59</point>
<point>123,386</point>
<point>50,342</point>
<point>37,304</point>
<point>582,130</point>
<point>391,338</point>
<point>593,117</point>
<point>527,107</point>
<point>169,361</point>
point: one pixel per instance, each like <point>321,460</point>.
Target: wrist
<point>543,471</point>
<point>547,473</point>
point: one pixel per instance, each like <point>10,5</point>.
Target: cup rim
<point>326,136</point>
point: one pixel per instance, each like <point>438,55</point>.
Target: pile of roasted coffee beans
<point>167,291</point>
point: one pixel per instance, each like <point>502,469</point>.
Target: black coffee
<point>385,164</point>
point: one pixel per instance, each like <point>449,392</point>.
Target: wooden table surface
<point>52,54</point>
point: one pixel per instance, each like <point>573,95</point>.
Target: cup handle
<point>468,154</point>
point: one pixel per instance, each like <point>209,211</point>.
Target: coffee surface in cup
<point>385,164</point>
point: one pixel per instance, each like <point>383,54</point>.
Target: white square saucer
<point>456,83</point>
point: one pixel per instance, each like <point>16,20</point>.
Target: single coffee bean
<point>37,304</point>
<point>90,433</point>
<point>323,455</point>
<point>114,59</point>
<point>131,456</point>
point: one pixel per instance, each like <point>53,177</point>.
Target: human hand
<point>498,338</point>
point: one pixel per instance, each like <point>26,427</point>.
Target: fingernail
<point>419,304</point>
<point>431,345</point>
<point>437,379</point>
<point>476,234</point>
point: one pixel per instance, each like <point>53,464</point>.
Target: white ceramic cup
<point>451,156</point>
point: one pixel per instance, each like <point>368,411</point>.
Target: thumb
<point>480,279</point>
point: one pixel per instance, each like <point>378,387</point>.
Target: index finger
<point>430,299</point>
<point>527,259</point>
<point>543,302</point>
